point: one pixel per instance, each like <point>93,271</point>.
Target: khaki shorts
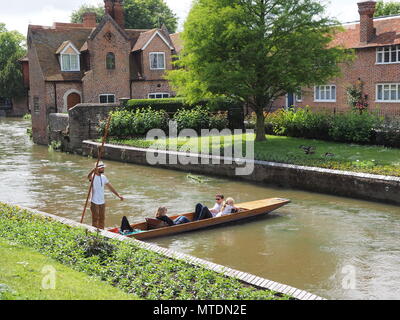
<point>98,215</point>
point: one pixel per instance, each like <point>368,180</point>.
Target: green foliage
<point>148,14</point>
<point>356,97</point>
<point>343,127</point>
<point>11,50</point>
<point>123,264</point>
<point>169,105</point>
<point>125,123</point>
<point>256,51</point>
<point>387,8</point>
<point>299,123</point>
<point>139,14</point>
<point>353,127</point>
<point>27,116</point>
<point>77,15</point>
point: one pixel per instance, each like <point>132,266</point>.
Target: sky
<point>17,15</point>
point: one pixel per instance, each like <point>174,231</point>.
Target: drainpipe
<point>55,96</point>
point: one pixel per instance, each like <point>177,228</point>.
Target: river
<point>337,248</point>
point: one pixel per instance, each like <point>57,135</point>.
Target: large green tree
<point>139,14</point>
<point>255,51</point>
<point>12,48</point>
<point>387,8</point>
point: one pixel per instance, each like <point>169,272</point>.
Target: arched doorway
<point>73,99</point>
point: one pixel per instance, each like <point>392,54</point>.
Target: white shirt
<point>98,189</point>
<point>217,209</point>
<point>227,211</point>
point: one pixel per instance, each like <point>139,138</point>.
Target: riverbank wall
<point>246,278</point>
<point>335,182</point>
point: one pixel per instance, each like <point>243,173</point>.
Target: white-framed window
<point>388,92</point>
<point>388,54</point>
<point>158,95</point>
<point>70,62</point>
<point>157,60</point>
<point>299,97</point>
<point>325,93</point>
<point>107,98</point>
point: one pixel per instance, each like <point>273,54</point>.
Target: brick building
<point>376,42</point>
<point>94,63</point>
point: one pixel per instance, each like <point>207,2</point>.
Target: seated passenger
<point>202,212</point>
<point>228,208</point>
<point>161,214</point>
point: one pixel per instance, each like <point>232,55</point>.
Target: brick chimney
<point>367,30</point>
<point>115,9</point>
<point>109,7</point>
<point>89,20</point>
<point>119,13</point>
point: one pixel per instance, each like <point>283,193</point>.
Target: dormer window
<point>69,57</point>
<point>70,62</point>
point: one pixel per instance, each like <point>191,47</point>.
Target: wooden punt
<point>248,210</point>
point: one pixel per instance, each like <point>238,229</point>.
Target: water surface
<point>310,244</point>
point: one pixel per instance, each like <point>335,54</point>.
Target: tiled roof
<point>143,39</point>
<point>47,40</point>
<point>387,33</point>
<point>177,42</point>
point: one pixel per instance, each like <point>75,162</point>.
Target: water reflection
<point>305,244</point>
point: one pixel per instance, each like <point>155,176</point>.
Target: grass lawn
<point>21,278</point>
<point>331,155</point>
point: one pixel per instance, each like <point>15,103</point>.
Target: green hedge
<point>350,127</point>
<point>173,105</point>
<point>123,264</point>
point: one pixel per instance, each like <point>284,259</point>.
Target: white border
<point>386,101</point>
<point>169,95</point>
<point>165,65</point>
<point>162,38</point>
<point>70,45</point>
<point>325,100</point>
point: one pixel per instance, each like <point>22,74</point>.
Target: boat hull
<point>250,210</point>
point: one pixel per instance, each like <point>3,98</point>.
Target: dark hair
<point>220,196</point>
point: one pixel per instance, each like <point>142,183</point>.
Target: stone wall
<point>340,183</point>
<point>83,121</point>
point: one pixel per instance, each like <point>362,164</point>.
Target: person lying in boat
<point>161,214</point>
<point>228,208</point>
<point>202,212</point>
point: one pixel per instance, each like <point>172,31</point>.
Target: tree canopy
<point>387,8</point>
<point>255,51</point>
<point>12,48</point>
<point>139,14</point>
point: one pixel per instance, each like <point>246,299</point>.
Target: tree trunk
<point>260,125</point>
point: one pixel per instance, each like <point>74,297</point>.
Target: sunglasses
<point>217,199</point>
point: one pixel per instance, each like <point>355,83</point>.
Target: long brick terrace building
<point>376,42</point>
<point>95,63</point>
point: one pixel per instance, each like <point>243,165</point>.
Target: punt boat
<point>154,228</point>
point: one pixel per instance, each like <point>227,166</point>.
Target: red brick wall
<point>365,68</point>
<point>37,89</point>
<point>99,80</point>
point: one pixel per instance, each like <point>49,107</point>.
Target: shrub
<point>353,127</point>
<point>136,123</point>
<point>388,134</point>
<point>299,123</point>
<point>200,118</point>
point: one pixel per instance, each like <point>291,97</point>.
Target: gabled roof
<point>108,18</point>
<point>177,41</point>
<point>65,45</point>
<point>146,37</point>
<point>47,41</point>
<point>387,33</point>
